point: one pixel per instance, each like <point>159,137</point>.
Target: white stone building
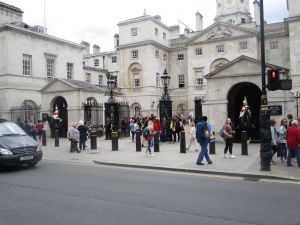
<point>219,64</point>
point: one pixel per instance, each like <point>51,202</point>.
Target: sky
<point>95,21</point>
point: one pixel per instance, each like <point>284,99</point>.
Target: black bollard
<point>114,141</point>
<point>44,141</point>
<point>138,141</point>
<point>212,147</point>
<point>93,136</point>
<point>244,145</point>
<point>56,137</point>
<point>182,142</point>
<point>156,142</point>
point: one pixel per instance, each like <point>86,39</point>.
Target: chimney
<point>86,45</point>
<point>256,12</point>
<point>186,31</point>
<point>117,41</point>
<point>96,49</point>
<point>199,22</point>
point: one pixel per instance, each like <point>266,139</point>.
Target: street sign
<point>275,110</point>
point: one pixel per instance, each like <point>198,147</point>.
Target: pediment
<point>241,66</point>
<point>58,85</point>
<point>219,31</point>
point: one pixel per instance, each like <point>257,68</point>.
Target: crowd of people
<point>285,138</point>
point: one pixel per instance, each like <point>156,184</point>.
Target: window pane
<point>27,60</point>
<point>70,70</point>
<point>100,77</point>
<point>50,68</point>
<point>181,80</point>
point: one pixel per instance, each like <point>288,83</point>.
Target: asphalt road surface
<point>69,194</point>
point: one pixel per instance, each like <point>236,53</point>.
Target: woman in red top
<point>156,126</point>
<point>293,138</point>
<point>228,137</point>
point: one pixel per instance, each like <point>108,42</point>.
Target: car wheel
<point>32,164</point>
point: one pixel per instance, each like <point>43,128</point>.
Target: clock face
<point>229,3</point>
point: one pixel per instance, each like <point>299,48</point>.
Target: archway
<point>235,100</point>
<point>62,105</point>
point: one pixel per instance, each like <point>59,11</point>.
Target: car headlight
<point>39,148</point>
<point>4,151</point>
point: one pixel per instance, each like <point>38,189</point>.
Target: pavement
<point>170,158</point>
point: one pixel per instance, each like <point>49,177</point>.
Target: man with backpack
<point>203,133</point>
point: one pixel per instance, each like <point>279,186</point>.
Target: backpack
<point>203,134</point>
<point>222,132</point>
<point>145,133</point>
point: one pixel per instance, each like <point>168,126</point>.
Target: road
<point>71,194</point>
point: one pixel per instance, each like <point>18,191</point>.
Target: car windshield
<point>10,129</point>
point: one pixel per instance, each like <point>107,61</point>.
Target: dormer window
<point>243,20</point>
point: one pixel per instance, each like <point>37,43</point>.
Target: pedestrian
<point>32,130</point>
<point>228,137</point>
<point>274,138</point>
<point>173,130</point>
<point>83,132</point>
<point>73,136</point>
<point>203,127</point>
<point>293,137</point>
<point>157,127</point>
<point>133,127</point>
<point>39,129</point>
<point>282,140</point>
<point>192,135</point>
<point>150,139</point>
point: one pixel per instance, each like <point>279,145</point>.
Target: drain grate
<point>254,179</point>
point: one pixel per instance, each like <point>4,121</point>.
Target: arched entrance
<point>235,101</point>
<point>62,106</point>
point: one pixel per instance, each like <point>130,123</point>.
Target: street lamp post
<point>165,104</point>
<point>265,132</point>
<point>297,96</point>
<point>112,111</point>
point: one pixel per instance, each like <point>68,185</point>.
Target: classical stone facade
<point>219,64</point>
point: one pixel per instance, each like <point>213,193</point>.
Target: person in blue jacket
<point>203,126</point>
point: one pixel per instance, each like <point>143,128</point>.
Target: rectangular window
<point>243,46</point>
<point>198,51</point>
<point>157,79</point>
<point>50,67</point>
<point>69,70</point>
<point>134,31</point>
<point>181,81</point>
<point>180,56</point>
<point>27,64</point>
<point>114,59</point>
<point>165,57</point>
<point>96,62</point>
<point>199,78</point>
<point>156,32</point>
<point>157,54</point>
<point>220,48</point>
<point>88,78</point>
<point>136,80</point>
<point>274,45</point>
<point>164,36</point>
<point>135,54</point>
<point>100,80</point>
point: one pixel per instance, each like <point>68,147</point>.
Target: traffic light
<point>273,80</point>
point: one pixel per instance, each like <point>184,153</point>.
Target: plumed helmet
<point>245,102</point>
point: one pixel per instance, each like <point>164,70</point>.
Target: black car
<point>16,147</point>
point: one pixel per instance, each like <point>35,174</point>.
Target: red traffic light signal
<point>273,80</point>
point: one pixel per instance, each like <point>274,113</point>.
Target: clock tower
<point>233,11</point>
